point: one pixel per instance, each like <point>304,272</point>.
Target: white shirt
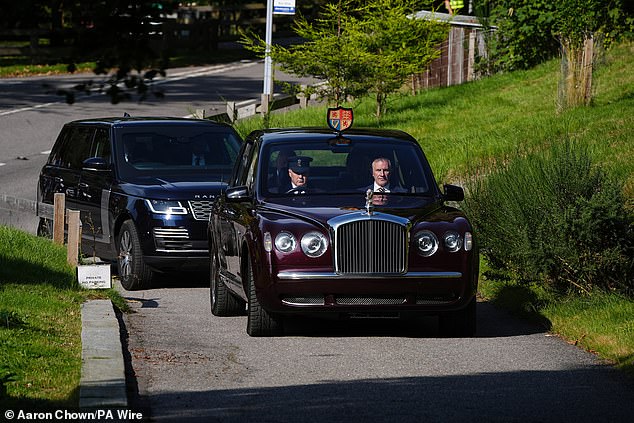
<point>385,188</point>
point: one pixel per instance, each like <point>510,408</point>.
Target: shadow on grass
<point>522,302</point>
<point>24,272</point>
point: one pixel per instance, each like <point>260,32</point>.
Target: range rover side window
<point>56,158</point>
<point>101,145</point>
<point>76,149</point>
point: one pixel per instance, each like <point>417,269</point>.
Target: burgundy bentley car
<point>340,223</point>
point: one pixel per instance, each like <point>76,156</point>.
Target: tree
<point>395,46</point>
<point>359,49</point>
<point>528,31</point>
<point>583,27</point>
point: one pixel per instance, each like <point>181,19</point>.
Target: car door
<point>63,169</point>
<point>229,218</point>
<point>94,192</point>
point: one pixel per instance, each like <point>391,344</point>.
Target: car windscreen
<point>177,150</point>
<point>331,168</point>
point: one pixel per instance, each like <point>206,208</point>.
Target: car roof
<point>144,121</point>
<point>293,134</point>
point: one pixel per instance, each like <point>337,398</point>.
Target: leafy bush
<point>528,30</point>
<point>555,218</point>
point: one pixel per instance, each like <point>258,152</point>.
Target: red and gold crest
<point>340,118</point>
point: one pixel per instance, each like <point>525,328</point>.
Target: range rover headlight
<point>166,207</point>
<point>285,242</point>
<point>452,241</point>
<point>426,242</point>
<point>314,244</point>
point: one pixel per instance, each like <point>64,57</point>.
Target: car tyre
<point>223,302</point>
<point>459,323</point>
<point>133,272</point>
<point>259,321</point>
<point>45,228</point>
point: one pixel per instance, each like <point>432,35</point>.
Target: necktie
<point>381,190</point>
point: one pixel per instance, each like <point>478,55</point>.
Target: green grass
<point>14,67</point>
<point>466,129</point>
<point>40,323</point>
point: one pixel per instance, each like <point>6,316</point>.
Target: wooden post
<point>74,235</point>
<point>231,110</point>
<point>265,100</point>
<point>59,209</point>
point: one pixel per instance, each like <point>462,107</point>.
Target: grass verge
<point>40,323</point>
<point>600,323</point>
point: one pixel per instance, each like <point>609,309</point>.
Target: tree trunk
<point>575,84</point>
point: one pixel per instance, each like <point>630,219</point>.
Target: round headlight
<point>285,242</point>
<point>426,242</point>
<point>452,241</point>
<point>314,244</point>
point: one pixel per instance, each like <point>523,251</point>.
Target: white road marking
<point>175,77</point>
<point>47,152</point>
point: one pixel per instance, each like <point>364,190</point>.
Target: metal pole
<point>268,77</point>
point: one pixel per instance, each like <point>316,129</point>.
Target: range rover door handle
<point>83,185</point>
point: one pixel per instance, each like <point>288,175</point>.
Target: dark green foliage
<point>556,219</point>
<point>528,31</point>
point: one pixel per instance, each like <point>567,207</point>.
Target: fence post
<point>74,235</point>
<point>59,204</point>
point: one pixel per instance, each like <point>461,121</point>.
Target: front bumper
<point>327,292</point>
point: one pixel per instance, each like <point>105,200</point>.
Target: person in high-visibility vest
<point>454,6</point>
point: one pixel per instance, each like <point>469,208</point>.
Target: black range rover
<point>143,187</point>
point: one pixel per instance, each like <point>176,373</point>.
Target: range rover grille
<point>371,246</point>
<point>172,239</point>
<point>200,209</point>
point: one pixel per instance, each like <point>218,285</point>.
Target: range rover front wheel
<point>133,272</point>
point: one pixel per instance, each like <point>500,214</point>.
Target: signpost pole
<point>268,77</point>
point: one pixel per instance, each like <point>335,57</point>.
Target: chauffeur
<point>298,169</point>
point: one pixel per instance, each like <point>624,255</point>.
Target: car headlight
<point>452,241</point>
<point>314,244</point>
<point>166,207</point>
<point>285,242</point>
<point>426,242</point>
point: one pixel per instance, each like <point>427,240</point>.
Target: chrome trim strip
<point>294,276</point>
<point>180,251</point>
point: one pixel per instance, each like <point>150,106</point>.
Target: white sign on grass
<point>94,276</point>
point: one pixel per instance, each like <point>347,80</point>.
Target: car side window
<point>76,149</point>
<point>250,179</point>
<point>101,145</point>
<point>56,158</point>
<point>242,165</point>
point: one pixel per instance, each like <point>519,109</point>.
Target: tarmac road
<point>188,365</point>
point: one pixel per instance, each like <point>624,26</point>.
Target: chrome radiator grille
<point>200,209</point>
<point>370,246</point>
<point>172,239</point>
